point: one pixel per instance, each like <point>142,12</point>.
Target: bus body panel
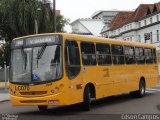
<point>108,80</point>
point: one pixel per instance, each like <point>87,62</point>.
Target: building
<point>107,16</point>
<point>87,26</point>
<point>141,25</point>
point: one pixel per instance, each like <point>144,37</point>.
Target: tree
<point>17,18</point>
<point>61,22</point>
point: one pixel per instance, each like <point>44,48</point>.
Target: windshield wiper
<point>41,51</point>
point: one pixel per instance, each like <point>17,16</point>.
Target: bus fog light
<point>57,88</point>
<point>14,92</point>
<point>52,91</point>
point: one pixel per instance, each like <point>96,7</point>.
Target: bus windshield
<point>36,64</point>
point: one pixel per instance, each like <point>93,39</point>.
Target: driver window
<point>72,59</point>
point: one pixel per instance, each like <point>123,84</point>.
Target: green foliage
<point>61,22</point>
<point>17,18</point>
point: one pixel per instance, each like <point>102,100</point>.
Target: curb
<point>4,101</point>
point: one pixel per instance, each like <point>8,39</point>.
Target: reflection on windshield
<point>21,65</point>
<point>46,67</point>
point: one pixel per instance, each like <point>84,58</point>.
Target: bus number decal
<point>22,88</point>
<point>106,72</point>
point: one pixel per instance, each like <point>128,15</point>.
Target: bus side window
<point>88,53</point>
<point>103,54</point>
<point>117,54</point>
<point>139,53</point>
<point>72,59</point>
<point>154,56</point>
<point>129,55</point>
<point>148,56</point>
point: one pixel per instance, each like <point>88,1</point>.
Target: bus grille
<point>33,101</point>
<point>34,93</point>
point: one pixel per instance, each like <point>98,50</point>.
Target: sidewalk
<point>4,95</point>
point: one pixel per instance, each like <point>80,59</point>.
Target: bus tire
<point>87,99</point>
<point>142,90</point>
<point>42,107</point>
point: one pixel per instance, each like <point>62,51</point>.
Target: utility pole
<point>36,20</point>
<point>54,15</point>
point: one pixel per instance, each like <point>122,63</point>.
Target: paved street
<point>122,104</point>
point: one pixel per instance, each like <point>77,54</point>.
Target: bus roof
<point>91,39</point>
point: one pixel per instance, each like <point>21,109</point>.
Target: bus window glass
<point>154,56</point>
<point>88,53</point>
<point>129,55</point>
<point>139,53</point>
<point>72,59</point>
<point>21,65</point>
<point>46,65</point>
<point>117,54</point>
<point>103,54</point>
<point>148,56</point>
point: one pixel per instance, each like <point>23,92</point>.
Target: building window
<point>139,38</point>
<point>127,27</point>
<point>119,31</point>
<point>145,22</point>
<point>124,28</point>
<point>150,20</point>
<point>157,18</point>
<point>130,26</point>
<point>151,37</point>
<point>139,23</point>
<point>157,35</point>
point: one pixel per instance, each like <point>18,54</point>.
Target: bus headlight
<point>12,92</point>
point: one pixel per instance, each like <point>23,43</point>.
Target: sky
<point>74,9</point>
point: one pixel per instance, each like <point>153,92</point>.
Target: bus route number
<point>22,88</point>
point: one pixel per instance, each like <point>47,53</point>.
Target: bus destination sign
<point>38,40</point>
<point>43,39</point>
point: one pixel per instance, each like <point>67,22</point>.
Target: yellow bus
<point>58,69</point>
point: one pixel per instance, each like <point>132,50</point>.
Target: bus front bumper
<point>50,100</point>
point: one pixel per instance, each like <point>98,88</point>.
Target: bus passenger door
<point>73,71</point>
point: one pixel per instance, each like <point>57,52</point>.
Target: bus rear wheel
<point>142,90</point>
<point>87,99</point>
<point>42,107</point>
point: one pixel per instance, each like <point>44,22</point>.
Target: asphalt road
<point>107,108</point>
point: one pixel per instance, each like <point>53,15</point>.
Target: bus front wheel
<point>42,107</point>
<point>87,99</point>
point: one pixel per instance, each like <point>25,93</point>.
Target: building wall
<point>135,31</point>
<point>107,16</point>
<point>79,28</point>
